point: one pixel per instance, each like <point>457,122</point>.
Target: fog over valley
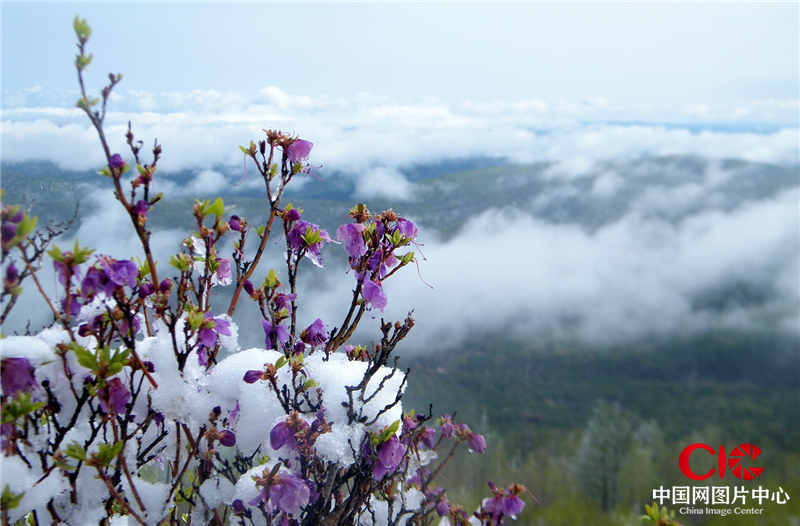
<point>541,221</point>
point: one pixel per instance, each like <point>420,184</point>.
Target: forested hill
<point>746,385</point>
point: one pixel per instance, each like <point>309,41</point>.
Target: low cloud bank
<point>661,252</point>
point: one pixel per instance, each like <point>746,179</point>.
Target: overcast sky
<point>636,54</point>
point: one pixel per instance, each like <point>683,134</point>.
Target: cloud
<point>207,182</point>
<point>636,277</point>
<point>203,128</point>
<point>383,182</point>
<point>622,238</point>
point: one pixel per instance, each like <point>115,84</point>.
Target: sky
<point>601,93</point>
<point>635,53</point>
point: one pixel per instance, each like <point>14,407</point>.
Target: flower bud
<point>145,289</point>
<point>12,274</point>
<point>165,285</point>
<point>252,376</point>
<point>228,438</point>
<point>116,162</point>
<point>9,231</point>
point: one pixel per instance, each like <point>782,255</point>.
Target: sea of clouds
<point>648,268</point>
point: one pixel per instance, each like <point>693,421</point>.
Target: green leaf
<point>195,319</point>
<point>26,226</point>
<point>387,433</point>
<point>76,451</point>
<point>10,500</point>
<point>81,27</point>
<point>311,237</point>
<point>19,407</point>
<point>108,452</point>
<point>280,363</point>
<point>81,61</point>
<point>81,255</point>
<point>180,262</point>
<point>407,258</point>
<point>85,358</point>
<point>397,238</point>
<point>217,208</point>
<point>56,254</point>
<point>271,281</point>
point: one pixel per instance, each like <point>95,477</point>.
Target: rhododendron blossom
<point>136,404</point>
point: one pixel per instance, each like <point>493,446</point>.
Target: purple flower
<point>284,301</point>
<point>116,162</point>
<point>123,273</point>
<point>145,289</point>
<point>238,507</point>
<point>228,438</point>
<point>477,443</point>
<point>390,454</point>
<point>428,437</point>
<point>375,260</point>
<point>409,423</point>
<point>299,150</point>
<point>74,306</point>
<point>116,394</point>
<point>9,230</point>
<point>374,295</point>
<point>274,333</point>
<point>248,287</point>
<point>12,274</point>
<point>493,505</point>
<point>16,374</point>
<point>6,430</point>
<point>207,337</point>
<point>165,285</point>
<point>235,223</point>
<point>407,228</point>
<point>289,493</point>
<point>442,507</point>
<point>513,506</point>
<point>252,376</point>
<point>297,243</point>
<point>141,208</point>
<point>282,435</point>
<point>19,216</point>
<point>351,235</point>
<point>448,429</point>
<point>314,334</point>
<point>293,214</point>
<point>125,328</point>
<point>61,271</point>
<point>96,280</point>
<point>224,275</point>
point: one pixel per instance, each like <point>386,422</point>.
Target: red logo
<point>733,461</point>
